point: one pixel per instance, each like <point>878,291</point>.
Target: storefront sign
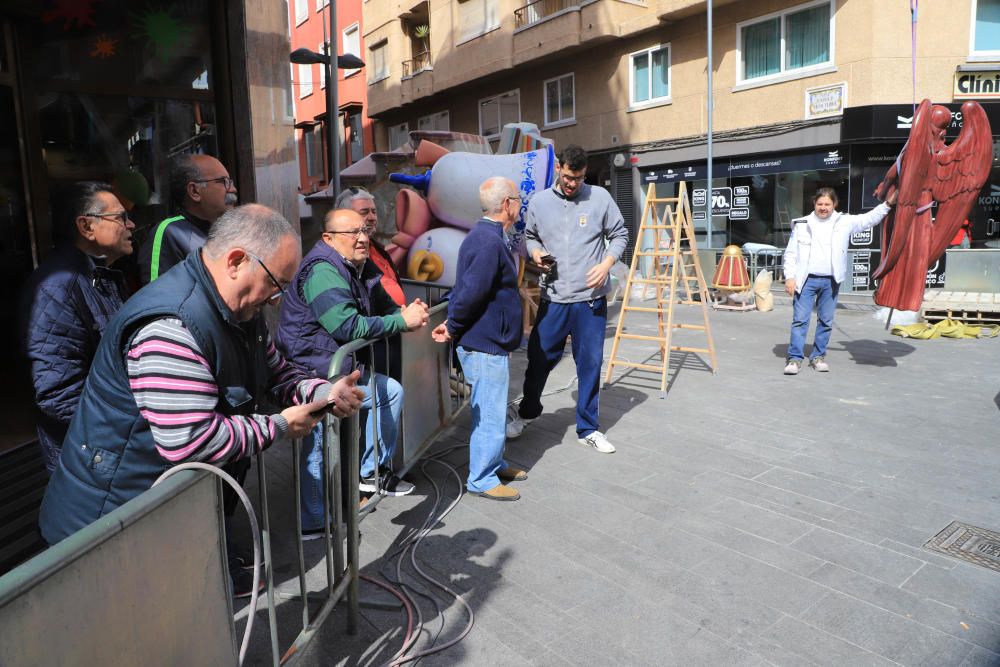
<point>698,198</point>
<point>722,201</point>
<point>826,100</point>
<point>862,238</point>
<point>976,85</point>
<point>739,214</point>
<point>893,121</point>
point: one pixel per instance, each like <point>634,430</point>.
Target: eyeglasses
<point>274,298</point>
<point>227,181</point>
<point>355,233</point>
<point>121,217</point>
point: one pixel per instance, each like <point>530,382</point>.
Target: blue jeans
<point>489,375</point>
<point>821,292</point>
<point>585,321</point>
<point>390,403</point>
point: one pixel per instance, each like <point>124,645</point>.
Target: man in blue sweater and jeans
<point>576,233</point>
<point>484,319</point>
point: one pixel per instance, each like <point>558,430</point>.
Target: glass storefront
<point>93,91</point>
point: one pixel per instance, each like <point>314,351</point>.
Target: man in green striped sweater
<point>201,190</point>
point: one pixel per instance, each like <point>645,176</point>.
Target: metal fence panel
<point>144,585</point>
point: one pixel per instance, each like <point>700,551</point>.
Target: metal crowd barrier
<point>127,570</point>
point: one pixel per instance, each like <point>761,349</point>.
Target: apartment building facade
<point>806,93</point>
<point>309,27</point>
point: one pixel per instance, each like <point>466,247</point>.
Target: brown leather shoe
<point>500,492</point>
<point>512,474</point>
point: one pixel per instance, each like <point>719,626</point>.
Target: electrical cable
<point>254,530</point>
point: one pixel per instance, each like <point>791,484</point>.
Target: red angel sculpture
<point>929,171</point>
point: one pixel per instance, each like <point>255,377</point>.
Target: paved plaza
<point>747,518</point>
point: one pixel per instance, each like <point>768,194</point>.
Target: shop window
<point>792,41</point>
<point>436,121</point>
<point>301,11</point>
<point>379,62</point>
<point>560,100</point>
<point>497,111</point>
<point>351,40</point>
<point>305,81</point>
<point>986,29</point>
<point>476,17</point>
<point>649,76</point>
<point>313,139</point>
<point>398,135</point>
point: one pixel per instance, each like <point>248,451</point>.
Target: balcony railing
<point>533,12</point>
<point>418,63</point>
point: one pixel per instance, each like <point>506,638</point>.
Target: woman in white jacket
<point>815,264</point>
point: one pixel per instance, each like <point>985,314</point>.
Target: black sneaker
<point>392,485</point>
<point>242,579</point>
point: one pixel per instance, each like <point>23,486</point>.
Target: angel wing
<point>959,173</point>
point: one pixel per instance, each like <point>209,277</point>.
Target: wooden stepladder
<point>675,263</point>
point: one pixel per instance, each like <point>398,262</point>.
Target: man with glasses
<point>337,297</point>
<point>575,233</point>
<point>201,190</point>
<point>362,202</point>
<point>185,372</point>
<point>68,301</point>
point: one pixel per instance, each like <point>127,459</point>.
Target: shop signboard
<point>722,201</point>
<point>976,84</point>
<point>698,198</point>
<point>864,262</point>
<point>894,121</point>
<point>752,166</point>
<point>739,214</point>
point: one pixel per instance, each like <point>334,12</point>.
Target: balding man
<point>201,190</point>
<point>337,297</point>
<point>484,320</point>
<point>181,374</point>
<point>362,202</point>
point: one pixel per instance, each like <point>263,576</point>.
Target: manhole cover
<point>969,543</point>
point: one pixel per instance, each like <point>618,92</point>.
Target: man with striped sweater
<point>187,371</point>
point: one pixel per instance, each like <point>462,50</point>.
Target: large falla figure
<point>928,171</point>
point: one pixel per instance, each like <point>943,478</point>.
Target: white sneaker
<point>598,441</point>
<point>515,425</point>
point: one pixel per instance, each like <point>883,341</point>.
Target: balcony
<point>533,12</point>
<point>417,64</point>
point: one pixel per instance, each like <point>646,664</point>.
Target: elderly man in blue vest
<point>182,374</point>
<point>335,298</point>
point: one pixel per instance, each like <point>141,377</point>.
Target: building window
<point>355,142</point>
<point>986,29</point>
<point>290,94</point>
<point>314,151</point>
<point>560,100</point>
<point>649,76</point>
<point>301,11</point>
<point>398,135</point>
<point>789,41</point>
<point>320,4</point>
<point>497,111</point>
<point>351,40</point>
<point>436,121</point>
<point>379,62</point>
<point>305,81</point>
<point>476,17</point>
<point>322,48</point>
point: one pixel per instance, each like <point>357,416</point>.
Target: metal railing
<point>533,12</point>
<point>106,571</point>
<point>417,63</point>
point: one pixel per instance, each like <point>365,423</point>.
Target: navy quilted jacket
<point>64,309</point>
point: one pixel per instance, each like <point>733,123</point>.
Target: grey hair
<point>348,195</point>
<point>494,191</point>
<point>252,227</point>
<point>183,170</point>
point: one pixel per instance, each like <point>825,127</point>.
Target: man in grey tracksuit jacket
<point>577,232</point>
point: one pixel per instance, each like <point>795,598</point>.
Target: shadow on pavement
<point>867,352</point>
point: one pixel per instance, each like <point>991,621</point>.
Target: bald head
<point>345,231</point>
<point>500,200</point>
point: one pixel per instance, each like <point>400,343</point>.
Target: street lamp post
<point>346,61</point>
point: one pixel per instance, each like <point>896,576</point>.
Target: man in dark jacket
<point>335,298</point>
<point>68,301</point>
<point>202,190</point>
<point>484,319</point>
<point>184,373</point>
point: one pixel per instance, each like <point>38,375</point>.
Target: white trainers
<point>819,363</point>
<point>598,441</point>
<point>515,424</point>
<point>792,367</point>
